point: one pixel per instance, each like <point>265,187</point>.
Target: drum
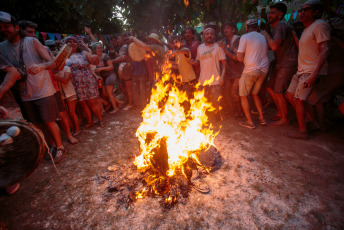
<point>62,56</point>
<point>136,52</point>
<point>21,157</point>
<point>125,71</point>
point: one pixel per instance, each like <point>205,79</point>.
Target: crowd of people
<point>306,69</point>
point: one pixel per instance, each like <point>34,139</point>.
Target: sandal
<point>275,118</point>
<point>12,188</point>
<point>114,111</point>
<point>101,124</point>
<point>89,125</point>
<point>60,155</point>
<point>297,135</point>
<point>247,125</point>
<point>262,122</point>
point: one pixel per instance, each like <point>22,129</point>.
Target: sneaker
<point>127,107</point>
<point>60,155</point>
<point>12,188</point>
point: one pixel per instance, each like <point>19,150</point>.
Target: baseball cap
<point>312,2</point>
<point>5,17</point>
<point>251,22</point>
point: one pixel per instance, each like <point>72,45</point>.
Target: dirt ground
<point>267,181</point>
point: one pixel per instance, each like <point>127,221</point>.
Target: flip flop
<point>101,124</point>
<point>262,122</point>
<point>275,118</point>
<point>247,125</point>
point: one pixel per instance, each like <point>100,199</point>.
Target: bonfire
<point>176,144</point>
<point>174,131</point>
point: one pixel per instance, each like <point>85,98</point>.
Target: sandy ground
<point>267,181</point>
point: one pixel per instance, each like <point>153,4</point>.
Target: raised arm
<point>89,32</point>
<point>140,43</point>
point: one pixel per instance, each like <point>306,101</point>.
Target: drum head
<point>136,52</point>
<point>19,159</point>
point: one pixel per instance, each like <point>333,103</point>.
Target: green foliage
<point>70,16</point>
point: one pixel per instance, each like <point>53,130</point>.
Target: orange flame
<point>186,3</point>
<point>186,132</point>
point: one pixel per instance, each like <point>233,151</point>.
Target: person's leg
<point>135,90</point>
<point>71,106</point>
<point>109,89</point>
<point>283,110</point>
<point>227,93</point>
<point>65,125</point>
<point>246,107</point>
<point>129,91</point>
<point>273,96</point>
<point>143,96</point>
<point>130,94</point>
<point>55,133</point>
<point>246,83</point>
<point>235,95</point>
<point>92,103</point>
<point>86,110</point>
<point>255,95</point>
<point>300,114</point>
<point>290,98</point>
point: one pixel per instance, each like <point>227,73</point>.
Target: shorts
<point>281,78</point>
<point>296,86</point>
<point>110,80</point>
<point>71,98</point>
<point>59,101</point>
<point>251,81</point>
<point>42,110</point>
<point>326,87</point>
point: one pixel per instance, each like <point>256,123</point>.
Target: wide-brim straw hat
<point>154,36</point>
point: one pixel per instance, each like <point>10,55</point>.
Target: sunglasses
<point>304,9</point>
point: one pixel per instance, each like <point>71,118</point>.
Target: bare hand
<point>35,69</point>
<point>3,113</point>
<point>310,81</point>
<point>98,70</point>
<point>221,44</point>
<point>88,30</point>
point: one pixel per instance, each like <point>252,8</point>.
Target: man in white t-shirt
<point>313,52</point>
<point>212,60</point>
<point>253,51</point>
